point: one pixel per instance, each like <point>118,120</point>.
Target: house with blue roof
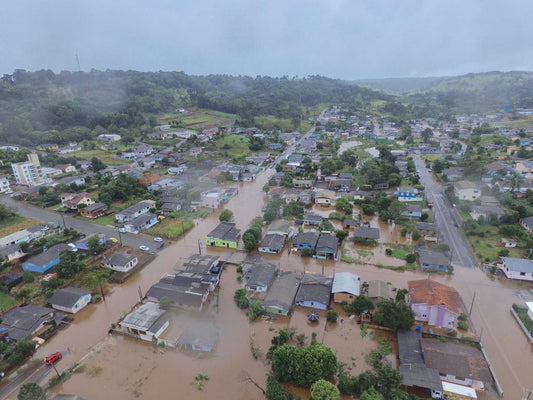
<point>305,239</point>
<point>409,194</point>
<point>46,260</point>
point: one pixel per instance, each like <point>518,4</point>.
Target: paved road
<point>89,228</point>
<point>446,220</point>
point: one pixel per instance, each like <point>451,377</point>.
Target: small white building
<point>70,299</point>
<point>147,322</point>
<point>121,261</point>
<point>4,184</point>
<point>529,305</point>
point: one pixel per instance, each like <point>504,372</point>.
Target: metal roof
<point>518,264</point>
<point>346,282</point>
<point>144,317</point>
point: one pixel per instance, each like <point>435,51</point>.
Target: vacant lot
<point>233,146</point>
<point>486,244</point>
<point>14,224</point>
<point>171,228</point>
<point>106,157</point>
<point>6,301</point>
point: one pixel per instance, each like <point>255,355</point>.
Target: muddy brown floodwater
<point>122,368</point>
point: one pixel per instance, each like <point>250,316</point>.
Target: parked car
<point>144,248</point>
<point>158,239</point>
<point>53,358</point>
<point>122,230</point>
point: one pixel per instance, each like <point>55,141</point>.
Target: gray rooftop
<point>315,288</point>
<point>283,291</point>
<point>306,238</point>
<point>134,208</point>
<point>67,297</point>
<point>142,219</point>
<point>144,317</point>
<point>327,242</point>
<point>225,231</point>
<point>120,258</point>
<point>21,322</point>
<point>431,257</point>
<point>47,256</point>
<point>420,376</point>
<point>366,232</point>
<point>273,241</point>
<point>260,274</point>
<point>518,264</point>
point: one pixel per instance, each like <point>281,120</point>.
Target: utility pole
<point>55,369</point>
<point>102,291</point>
<point>472,305</point>
<point>120,238</point>
<point>199,247</point>
<point>63,218</point>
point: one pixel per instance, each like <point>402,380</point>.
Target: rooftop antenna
<point>78,62</point>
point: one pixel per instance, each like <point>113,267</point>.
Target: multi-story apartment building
<point>28,172</point>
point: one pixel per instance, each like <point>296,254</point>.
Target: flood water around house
<point>122,368</point>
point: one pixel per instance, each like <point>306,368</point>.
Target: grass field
<point>234,146</point>
<point>171,228</point>
<point>486,247</point>
<point>106,157</point>
<point>14,224</point>
<point>6,301</point>
<point>105,220</point>
<point>270,122</point>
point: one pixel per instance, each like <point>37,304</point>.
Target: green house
<point>224,235</point>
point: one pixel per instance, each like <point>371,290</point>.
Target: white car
<point>122,230</point>
<point>144,248</point>
<point>73,247</point>
<point>158,239</point>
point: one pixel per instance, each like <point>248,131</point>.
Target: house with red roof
<point>435,303</point>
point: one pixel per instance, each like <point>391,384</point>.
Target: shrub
<point>452,333</point>
<point>388,252</point>
<point>306,252</point>
<point>332,316</point>
<point>462,317</point>
<point>463,325</point>
<point>240,299</point>
<point>255,310</point>
<point>410,258</point>
<point>28,277</point>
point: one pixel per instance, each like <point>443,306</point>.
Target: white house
<point>121,261</point>
<point>148,322</point>
<point>466,190</point>
<point>517,268</point>
<point>4,184</point>
<point>529,305</point>
<point>70,299</point>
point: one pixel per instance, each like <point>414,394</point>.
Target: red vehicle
<point>53,358</point>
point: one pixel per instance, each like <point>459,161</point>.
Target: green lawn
<point>106,156</point>
<point>6,301</point>
<point>522,314</point>
<point>14,224</point>
<point>105,220</point>
<point>270,122</point>
<point>171,228</point>
<point>233,145</point>
<point>487,246</point>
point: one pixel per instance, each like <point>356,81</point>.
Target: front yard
<point>486,244</point>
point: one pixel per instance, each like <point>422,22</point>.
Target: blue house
<point>433,260</point>
<point>46,260</point>
<point>314,292</point>
<point>409,194</point>
<point>275,146</point>
<point>305,239</point>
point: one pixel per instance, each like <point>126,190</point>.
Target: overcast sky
<point>349,39</point>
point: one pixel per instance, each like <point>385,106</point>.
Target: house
<point>4,184</point>
<point>211,199</point>
<point>525,168</point>
<point>364,232</point>
<point>466,190</point>
<point>11,252</point>
<point>121,261</point>
<point>170,206</point>
<point>517,268</point>
<point>70,299</point>
<point>75,201</point>
<point>409,194</point>
<point>350,224</point>
<point>433,302</point>
<point>10,280</point>
<point>280,298</point>
<point>379,290</point>
<point>93,211</point>
<point>224,235</point>
<point>346,287</point>
<point>272,243</point>
<point>177,170</point>
<point>259,276</point>
<point>326,246</point>
<point>109,137</point>
<point>290,195</point>
<point>143,150</point>
<point>195,151</point>
<point>412,211</point>
<point>311,218</point>
<point>24,235</point>
<point>147,322</point>
<point>507,242</point>
<point>26,322</point>
<point>132,212</point>
<point>314,292</point>
<point>414,372</point>
<point>325,198</point>
<point>141,222</point>
<point>44,261</point>
<point>427,228</point>
<point>527,224</point>
<point>281,227</point>
<point>73,180</point>
<point>185,291</point>
<point>206,267</point>
<point>201,336</point>
<point>452,173</point>
<point>305,239</point>
<point>432,260</point>
<point>462,364</point>
<point>302,183</point>
<point>489,201</point>
<point>476,212</point>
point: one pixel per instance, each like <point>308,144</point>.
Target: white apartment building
<point>28,172</point>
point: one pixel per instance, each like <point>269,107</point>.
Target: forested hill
<point>41,106</point>
<point>471,93</point>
